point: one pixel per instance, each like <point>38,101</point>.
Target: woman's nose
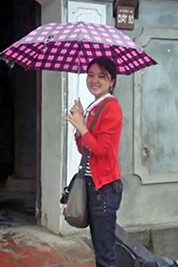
<point>95,79</point>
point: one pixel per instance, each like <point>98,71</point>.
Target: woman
<point>102,173</point>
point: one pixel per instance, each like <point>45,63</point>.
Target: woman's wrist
<point>82,130</point>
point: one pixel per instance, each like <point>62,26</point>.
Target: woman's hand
<point>77,107</point>
<point>77,120</point>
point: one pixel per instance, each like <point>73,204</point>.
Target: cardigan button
<point>92,113</point>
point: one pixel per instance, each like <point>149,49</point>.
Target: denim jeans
<point>102,206</point>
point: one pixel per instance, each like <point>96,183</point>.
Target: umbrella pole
<point>78,74</point>
<point>78,84</point>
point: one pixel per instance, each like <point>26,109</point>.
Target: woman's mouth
<point>94,88</point>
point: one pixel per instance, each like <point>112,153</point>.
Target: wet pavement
<point>33,246</point>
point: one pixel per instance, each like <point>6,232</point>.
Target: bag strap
<point>86,152</point>
<point>97,115</point>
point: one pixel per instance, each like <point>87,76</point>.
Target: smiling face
<point>99,81</point>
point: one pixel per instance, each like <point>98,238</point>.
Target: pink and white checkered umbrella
<point>71,46</point>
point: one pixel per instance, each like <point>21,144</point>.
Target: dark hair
<point>105,64</point>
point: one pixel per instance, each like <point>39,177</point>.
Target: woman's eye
<point>101,77</point>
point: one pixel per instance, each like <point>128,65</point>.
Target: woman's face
<point>98,81</point>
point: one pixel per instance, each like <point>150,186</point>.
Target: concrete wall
<point>148,210</point>
<point>144,204</point>
<point>53,123</point>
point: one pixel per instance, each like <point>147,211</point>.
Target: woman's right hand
<point>77,107</point>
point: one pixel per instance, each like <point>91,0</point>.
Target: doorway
<point>19,121</point>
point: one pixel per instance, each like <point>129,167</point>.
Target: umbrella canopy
<point>71,46</point>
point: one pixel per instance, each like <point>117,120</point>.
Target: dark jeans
<point>103,204</point>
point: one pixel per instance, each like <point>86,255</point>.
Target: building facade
<point>149,99</point>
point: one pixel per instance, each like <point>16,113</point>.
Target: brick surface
<point>78,252</point>
<point>23,249</point>
<point>7,243</point>
<point>6,260</point>
<point>38,256</point>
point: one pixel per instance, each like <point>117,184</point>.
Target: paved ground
<point>33,246</point>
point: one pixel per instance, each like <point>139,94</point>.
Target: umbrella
<point>71,46</point>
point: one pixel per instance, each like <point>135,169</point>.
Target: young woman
<point>102,174</point>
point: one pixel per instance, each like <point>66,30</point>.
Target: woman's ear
<point>113,81</point>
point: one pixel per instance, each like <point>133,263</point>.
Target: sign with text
<point>125,17</point>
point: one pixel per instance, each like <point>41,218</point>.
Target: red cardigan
<point>103,143</point>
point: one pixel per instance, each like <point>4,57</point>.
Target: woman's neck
<point>102,96</point>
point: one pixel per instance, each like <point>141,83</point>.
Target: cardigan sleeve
<point>100,142</point>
